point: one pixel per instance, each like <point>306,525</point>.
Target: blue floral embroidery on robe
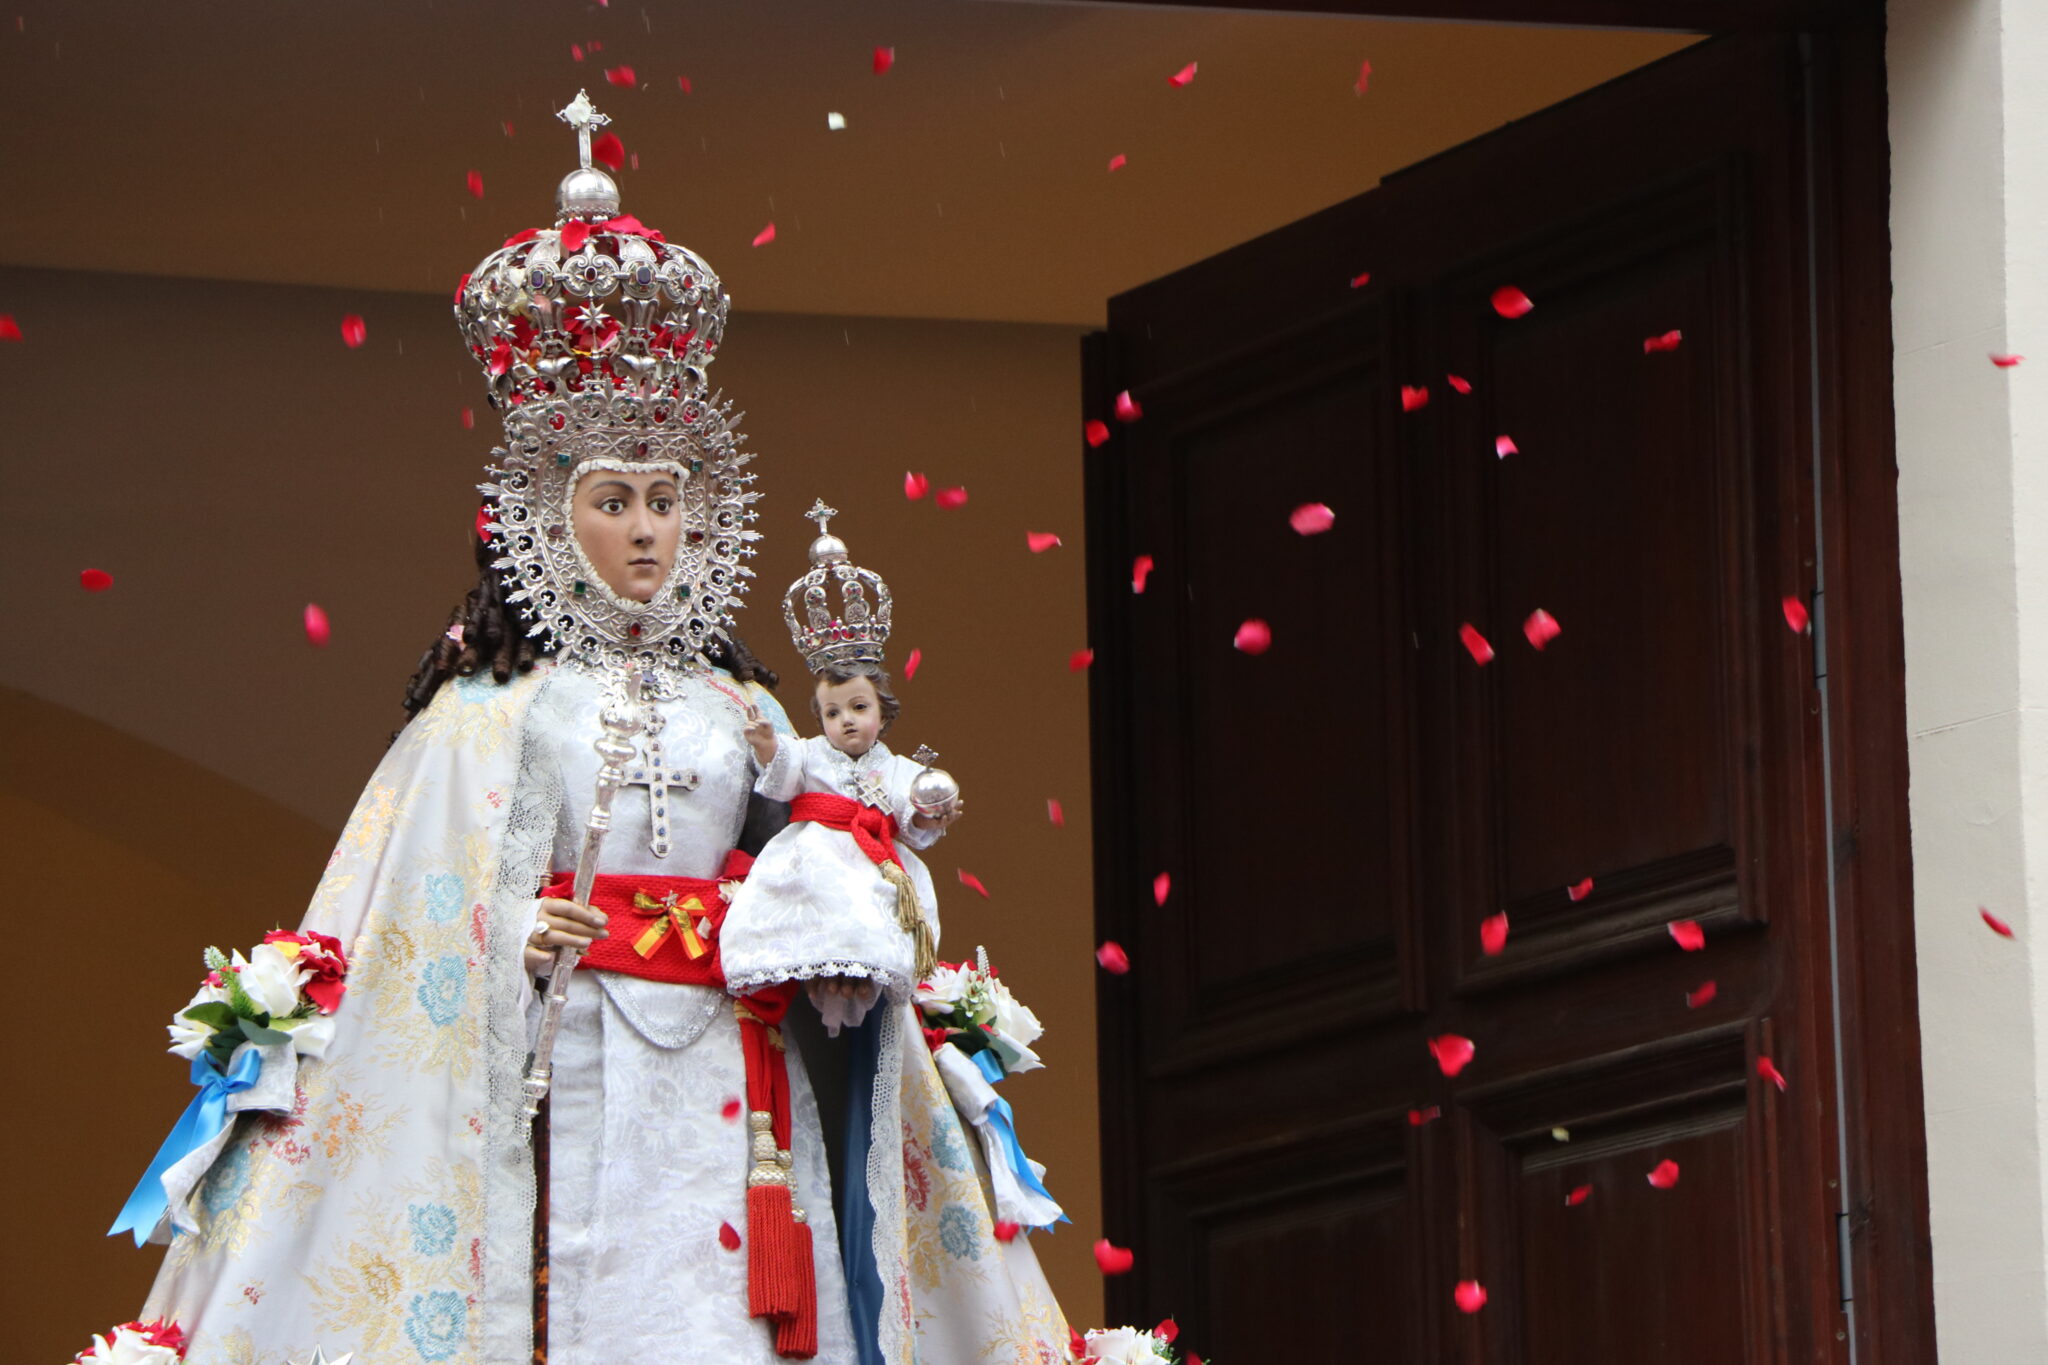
<point>444,986</point>
<point>444,897</point>
<point>478,688</point>
<point>433,1228</point>
<point>949,1149</point>
<point>437,1324</point>
<point>957,1234</point>
<point>227,1181</point>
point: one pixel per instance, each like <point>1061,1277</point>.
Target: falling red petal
<point>1578,1196</point>
<point>911,664</point>
<point>476,184</point>
<point>1167,1330</point>
<point>1475,644</point>
<point>1141,569</point>
<point>885,57</point>
<point>1687,934</point>
<point>2005,362</point>
<point>316,625</point>
<point>728,1237</point>
<point>971,882</point>
<point>609,151</point>
<point>950,498</point>
<point>1006,1231</point>
<point>1541,628</point>
<point>1458,382</point>
<point>1769,1072</point>
<point>1127,409</point>
<point>1162,887</point>
<point>1112,958</point>
<point>468,419</point>
<point>765,235</point>
<point>1666,342</point>
<point>1452,1052</point>
<point>1504,446</point>
<point>1470,1296</point>
<point>1055,812</point>
<point>1364,78</point>
<point>10,330</point>
<point>1796,616</point>
<point>574,234</point>
<point>1182,77</point>
<point>1418,1117</point>
<point>1114,1260</point>
<point>1704,995</point>
<point>621,76</point>
<point>1493,934</point>
<point>1117,163</point>
<point>507,126</point>
<point>483,521</point>
<point>1361,279</point>
<point>914,485</point>
<point>1580,889</point>
<point>683,84</point>
<point>730,1110</point>
<point>1414,398</point>
<point>1079,660</point>
<point>1998,926</point>
<point>353,332</point>
<point>634,160</point>
<point>576,51</point>
<point>501,358</point>
<point>95,580</point>
<point>1253,637</point>
<point>1040,541</point>
<point>1664,1175</point>
<point>1311,519</point>
<point>1096,431</point>
<point>1511,302</point>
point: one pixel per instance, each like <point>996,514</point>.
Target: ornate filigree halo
<point>594,337</point>
<point>857,630</point>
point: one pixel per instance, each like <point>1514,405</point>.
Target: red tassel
<point>796,1337</point>
<point>772,1280</point>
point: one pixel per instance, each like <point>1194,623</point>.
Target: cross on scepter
<point>582,115</point>
<point>821,514</point>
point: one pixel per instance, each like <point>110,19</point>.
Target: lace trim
<point>885,1190</point>
<point>747,982</point>
<point>632,997</point>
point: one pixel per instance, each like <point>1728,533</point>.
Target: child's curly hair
<point>874,673</point>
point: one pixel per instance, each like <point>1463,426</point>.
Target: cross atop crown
<point>582,115</point>
<point>821,514</point>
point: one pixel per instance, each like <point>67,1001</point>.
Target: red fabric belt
<point>873,830</point>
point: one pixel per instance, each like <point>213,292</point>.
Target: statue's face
<point>628,526</point>
<point>851,714</point>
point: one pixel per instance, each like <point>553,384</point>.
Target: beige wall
<point>242,462</point>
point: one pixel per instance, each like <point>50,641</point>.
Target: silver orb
<point>933,792</point>
<point>587,193</point>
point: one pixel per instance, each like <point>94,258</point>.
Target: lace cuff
<point>783,778</point>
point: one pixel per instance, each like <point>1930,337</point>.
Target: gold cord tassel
<point>910,919</point>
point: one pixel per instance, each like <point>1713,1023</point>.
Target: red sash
<point>874,831</point>
<point>666,929</point>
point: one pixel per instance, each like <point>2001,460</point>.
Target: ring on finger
<point>540,929</point>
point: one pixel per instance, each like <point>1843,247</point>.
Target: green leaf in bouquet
<point>261,1034</point>
<point>216,961</point>
<point>213,1014</point>
<point>970,1040</point>
<point>245,1004</point>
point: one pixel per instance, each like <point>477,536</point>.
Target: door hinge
<point>1848,1294</point>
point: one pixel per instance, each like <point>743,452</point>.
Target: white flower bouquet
<point>967,1004</point>
<point>136,1343</point>
<point>1130,1346</point>
<point>285,990</point>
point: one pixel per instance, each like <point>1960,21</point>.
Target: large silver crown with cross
<point>851,629</point>
<point>594,336</point>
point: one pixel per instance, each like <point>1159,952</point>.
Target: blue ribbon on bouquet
<point>198,1125</point>
<point>1005,1122</point>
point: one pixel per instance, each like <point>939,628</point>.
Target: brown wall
<point>178,757</point>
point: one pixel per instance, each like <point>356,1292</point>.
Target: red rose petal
<point>1077,1344</point>
<point>1470,1296</point>
<point>1795,615</point>
<point>1414,398</point>
<point>468,419</point>
<point>683,84</point>
<point>1364,78</point>
<point>730,1110</point>
<point>475,180</point>
<point>353,332</point>
<point>1578,1196</point>
<point>1079,660</point>
<point>575,234</point>
<point>1112,958</point>
<point>1580,889</point>
<point>1055,812</point>
<point>10,330</point>
<point>2005,362</point>
<point>971,882</point>
<point>1458,382</point>
<point>1769,1072</point>
<point>1452,1052</point>
<point>1493,934</point>
<point>621,76</point>
<point>1998,926</point>
<point>501,358</point>
<point>910,664</point>
<point>1703,995</point>
<point>1127,409</point>
<point>1253,637</point>
<point>728,1237</point>
<point>507,126</point>
<point>576,52</point>
<point>1141,569</point>
<point>608,151</point>
<point>914,485</point>
<point>1311,519</point>
<point>1162,887</point>
<point>1040,541</point>
<point>1687,934</point>
<point>950,498</point>
<point>483,521</point>
<point>1359,280</point>
<point>1475,644</point>
<point>1541,628</point>
<point>316,625</point>
<point>1418,1117</point>
<point>1095,432</point>
<point>1006,1231</point>
<point>1167,1330</point>
<point>1182,77</point>
<point>1664,1175</point>
<point>885,57</point>
<point>1504,446</point>
<point>1666,342</point>
<point>1511,302</point>
<point>1117,162</point>
<point>765,235</point>
<point>95,580</point>
<point>1114,1260</point>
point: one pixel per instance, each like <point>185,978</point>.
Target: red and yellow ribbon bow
<point>671,914</point>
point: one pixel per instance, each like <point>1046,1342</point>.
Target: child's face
<point>852,715</point>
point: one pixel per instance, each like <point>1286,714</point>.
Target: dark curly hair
<point>492,636</point>
<point>875,674</point>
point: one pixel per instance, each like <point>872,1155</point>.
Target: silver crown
<point>855,630</point>
<point>594,336</point>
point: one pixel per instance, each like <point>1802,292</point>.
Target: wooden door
<point>1339,815</point>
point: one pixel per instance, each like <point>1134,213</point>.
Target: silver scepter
<point>621,719</point>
